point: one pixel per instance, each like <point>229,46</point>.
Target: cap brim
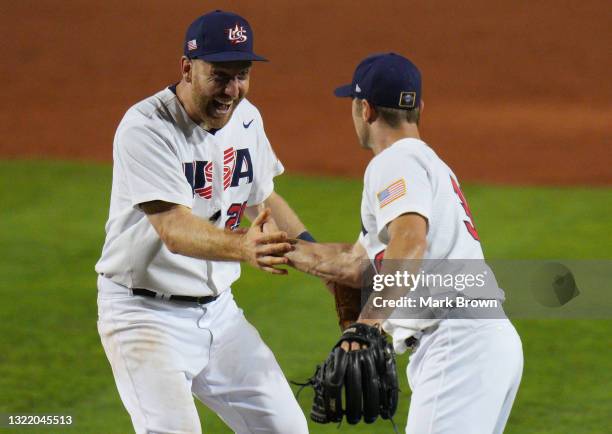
<point>231,56</point>
<point>344,91</point>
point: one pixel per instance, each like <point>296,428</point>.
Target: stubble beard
<point>206,108</point>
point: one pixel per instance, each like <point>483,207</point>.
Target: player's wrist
<point>245,254</point>
<point>370,322</point>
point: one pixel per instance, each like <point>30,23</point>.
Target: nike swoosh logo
<point>246,125</point>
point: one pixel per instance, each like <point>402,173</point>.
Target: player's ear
<point>421,106</point>
<point>186,66</point>
<point>368,112</point>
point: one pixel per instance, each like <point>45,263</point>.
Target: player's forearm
<point>336,262</point>
<point>286,219</point>
<point>404,253</point>
<point>188,235</point>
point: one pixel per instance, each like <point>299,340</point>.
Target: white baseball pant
<point>161,352</point>
<point>464,376</point>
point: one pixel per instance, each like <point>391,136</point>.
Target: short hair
<point>394,117</point>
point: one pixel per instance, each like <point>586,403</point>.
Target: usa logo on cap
<point>236,35</point>
<point>407,99</point>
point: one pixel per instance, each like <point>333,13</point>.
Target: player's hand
<point>265,250</point>
<point>354,346</point>
<point>302,256</point>
<point>269,225</point>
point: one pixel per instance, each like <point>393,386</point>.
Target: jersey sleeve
<point>151,168</point>
<point>397,183</point>
<point>267,166</point>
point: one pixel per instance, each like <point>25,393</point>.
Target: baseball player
<point>464,370</point>
<point>189,161</point>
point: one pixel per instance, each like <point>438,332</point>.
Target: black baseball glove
<point>367,376</point>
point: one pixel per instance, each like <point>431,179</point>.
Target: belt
<point>199,300</point>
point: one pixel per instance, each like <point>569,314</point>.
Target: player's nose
<point>232,88</point>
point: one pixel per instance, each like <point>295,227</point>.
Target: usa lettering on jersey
<point>237,165</point>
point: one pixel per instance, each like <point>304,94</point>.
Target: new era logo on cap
<point>407,99</point>
<point>357,88</point>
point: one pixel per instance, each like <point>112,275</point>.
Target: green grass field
<point>51,360</point>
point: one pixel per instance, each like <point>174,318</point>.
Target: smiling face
<point>216,89</point>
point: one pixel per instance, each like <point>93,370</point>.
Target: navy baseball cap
<point>220,36</point>
<point>386,80</point>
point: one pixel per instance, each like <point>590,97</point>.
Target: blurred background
<point>515,91</point>
<point>516,101</point>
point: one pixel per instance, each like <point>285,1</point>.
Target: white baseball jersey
<point>408,177</point>
<point>159,153</point>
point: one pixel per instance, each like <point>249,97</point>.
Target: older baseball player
<point>188,162</point>
<point>464,369</point>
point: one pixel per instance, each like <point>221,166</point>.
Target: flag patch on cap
<point>394,191</point>
<point>192,45</point>
<point>407,99</point>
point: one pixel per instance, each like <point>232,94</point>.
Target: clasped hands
<point>264,246</point>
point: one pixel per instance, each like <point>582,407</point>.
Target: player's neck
<point>384,136</point>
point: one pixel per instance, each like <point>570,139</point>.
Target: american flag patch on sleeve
<point>394,191</point>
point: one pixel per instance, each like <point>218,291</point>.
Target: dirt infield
<point>515,91</point>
